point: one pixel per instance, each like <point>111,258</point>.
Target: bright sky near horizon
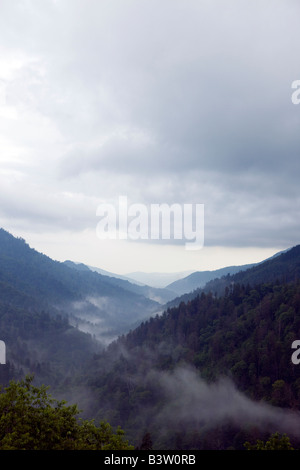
<point>169,101</point>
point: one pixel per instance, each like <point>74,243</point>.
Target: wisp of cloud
<point>193,401</point>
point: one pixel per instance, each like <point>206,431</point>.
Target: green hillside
<point>245,336</point>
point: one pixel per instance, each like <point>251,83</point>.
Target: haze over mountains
<point>157,279</point>
<point>159,295</point>
<point>94,302</point>
<point>93,299</point>
<point>199,279</point>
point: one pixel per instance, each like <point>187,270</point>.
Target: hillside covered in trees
<point>170,376</point>
<point>54,317</point>
<point>97,304</point>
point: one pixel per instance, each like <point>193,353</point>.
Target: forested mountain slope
<point>282,267</point>
<point>199,279</point>
<point>93,302</point>
<point>163,377</point>
<point>42,302</point>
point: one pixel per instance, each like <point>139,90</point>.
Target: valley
<point>191,371</point>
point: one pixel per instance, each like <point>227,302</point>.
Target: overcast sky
<point>169,101</point>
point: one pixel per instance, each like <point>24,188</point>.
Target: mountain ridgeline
<point>282,267</point>
<point>209,371</point>
<point>199,279</point>
<point>98,303</point>
<point>53,316</point>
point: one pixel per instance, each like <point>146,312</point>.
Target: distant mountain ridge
<point>156,279</point>
<point>95,303</point>
<point>283,266</point>
<point>200,278</point>
<point>160,295</point>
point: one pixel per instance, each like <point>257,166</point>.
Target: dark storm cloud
<point>214,97</point>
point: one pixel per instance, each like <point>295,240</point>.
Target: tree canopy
<point>275,442</point>
<point>30,419</point>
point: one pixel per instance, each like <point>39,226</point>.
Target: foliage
<point>30,419</point>
<point>245,334</point>
<point>275,442</point>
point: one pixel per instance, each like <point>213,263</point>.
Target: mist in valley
<point>178,402</point>
<point>195,403</point>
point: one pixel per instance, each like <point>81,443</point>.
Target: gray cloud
<point>181,102</point>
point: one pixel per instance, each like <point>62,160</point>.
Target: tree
<point>30,419</point>
<point>275,442</point>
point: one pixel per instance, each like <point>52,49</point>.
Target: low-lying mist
<point>180,402</point>
<point>190,400</point>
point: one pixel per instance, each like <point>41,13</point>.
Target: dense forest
<point>244,337</point>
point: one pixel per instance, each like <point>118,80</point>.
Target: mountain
<point>85,267</point>
<point>39,339</point>
<point>93,302</point>
<point>159,295</point>
<point>264,271</point>
<point>186,281</point>
<point>156,279</point>
<point>283,267</point>
<point>211,373</point>
<point>199,278</point>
